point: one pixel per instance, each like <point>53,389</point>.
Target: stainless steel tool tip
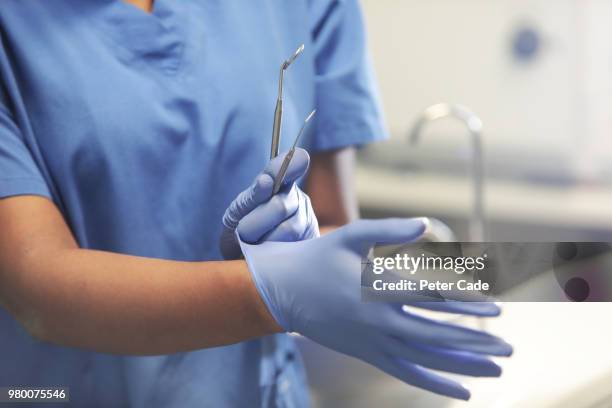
<point>296,54</point>
<point>303,127</point>
<point>311,115</point>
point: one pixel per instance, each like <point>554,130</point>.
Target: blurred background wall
<point>539,75</point>
<point>538,72</point>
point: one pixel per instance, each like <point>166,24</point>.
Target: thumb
<point>297,167</point>
<point>363,234</point>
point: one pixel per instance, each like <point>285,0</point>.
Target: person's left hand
<point>258,216</point>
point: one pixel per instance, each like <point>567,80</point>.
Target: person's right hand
<point>313,287</point>
<point>257,215</point>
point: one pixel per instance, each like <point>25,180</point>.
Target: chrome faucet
<point>474,125</point>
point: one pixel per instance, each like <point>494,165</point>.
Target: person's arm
<point>330,186</point>
<point>116,303</point>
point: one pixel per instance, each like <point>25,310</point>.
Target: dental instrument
<point>278,112</point>
<point>278,180</point>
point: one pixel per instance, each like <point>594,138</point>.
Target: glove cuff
<point>251,256</point>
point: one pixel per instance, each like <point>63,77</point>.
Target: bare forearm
<point>330,186</point>
<point>130,305</point>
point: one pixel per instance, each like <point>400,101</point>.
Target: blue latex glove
<point>313,288</point>
<point>258,216</point>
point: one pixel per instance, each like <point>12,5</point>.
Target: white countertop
<point>562,357</point>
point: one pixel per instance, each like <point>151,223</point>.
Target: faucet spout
<point>474,126</point>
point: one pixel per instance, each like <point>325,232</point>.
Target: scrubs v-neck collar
<point>156,38</point>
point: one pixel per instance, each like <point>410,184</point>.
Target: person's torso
<point>145,128</point>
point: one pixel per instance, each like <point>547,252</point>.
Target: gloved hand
<point>258,216</point>
<point>313,287</point>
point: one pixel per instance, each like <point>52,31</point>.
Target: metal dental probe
<point>278,181</point>
<point>278,112</point>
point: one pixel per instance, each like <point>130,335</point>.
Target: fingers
<point>264,218</point>
<point>300,226</point>
<point>436,358</point>
<point>410,327</point>
<point>297,166</point>
<point>420,377</point>
<point>258,193</point>
<point>290,230</point>
<point>363,234</point>
<point>482,309</point>
<point>260,190</point>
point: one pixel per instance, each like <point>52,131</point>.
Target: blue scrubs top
<point>142,128</point>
